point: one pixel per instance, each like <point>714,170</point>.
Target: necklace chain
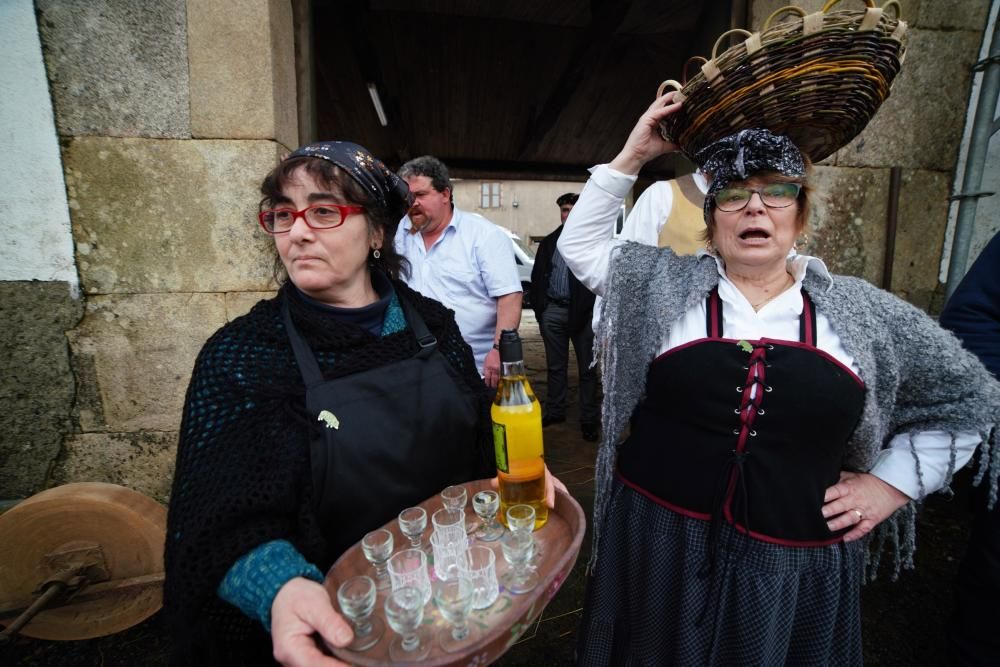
<point>789,281</point>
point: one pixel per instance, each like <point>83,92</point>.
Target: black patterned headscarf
<point>386,188</point>
<point>739,156</point>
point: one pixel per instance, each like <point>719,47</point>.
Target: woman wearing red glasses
<point>313,419</point>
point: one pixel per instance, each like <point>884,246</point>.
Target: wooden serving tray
<point>505,621</point>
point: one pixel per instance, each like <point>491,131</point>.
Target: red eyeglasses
<point>320,216</point>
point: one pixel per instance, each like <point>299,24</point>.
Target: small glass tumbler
<point>453,599</point>
<point>448,556</point>
<point>517,550</point>
<point>412,524</point>
<point>356,597</point>
<point>404,609</point>
<point>408,568</point>
<point>521,518</point>
<point>480,568</point>
<point>455,498</point>
<point>449,526</point>
<point>486,504</point>
<point>377,547</point>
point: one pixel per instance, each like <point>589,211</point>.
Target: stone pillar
<point>170,113</point>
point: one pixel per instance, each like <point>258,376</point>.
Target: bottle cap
<point>510,346</point>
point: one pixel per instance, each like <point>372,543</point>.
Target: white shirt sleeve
<point>586,242</point>
<point>894,465</point>
<point>497,265</point>
<point>649,214</point>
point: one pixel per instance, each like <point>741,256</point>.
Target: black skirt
<point>652,600</point>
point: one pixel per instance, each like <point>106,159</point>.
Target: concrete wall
<point>39,297</point>
<point>987,217</point>
<point>535,212</point>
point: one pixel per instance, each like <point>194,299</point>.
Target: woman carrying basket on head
<point>779,414</point>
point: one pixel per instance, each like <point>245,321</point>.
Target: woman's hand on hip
<point>645,142</point>
<point>860,501</point>
<point>301,609</point>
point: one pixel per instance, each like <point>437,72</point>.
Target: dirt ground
<point>904,621</point>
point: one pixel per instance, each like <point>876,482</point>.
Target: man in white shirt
<point>461,259</point>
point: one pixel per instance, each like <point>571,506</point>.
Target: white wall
<point>35,238</point>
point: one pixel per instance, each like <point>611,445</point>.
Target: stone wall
<point>168,114</point>
<point>918,129</point>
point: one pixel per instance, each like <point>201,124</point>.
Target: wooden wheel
<point>109,534</point>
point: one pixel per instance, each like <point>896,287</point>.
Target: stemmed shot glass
<point>412,524</point>
<point>454,598</point>
<point>377,547</point>
<point>518,547</point>
<point>404,609</point>
<point>521,518</point>
<point>455,497</point>
<point>356,597</point>
<point>486,504</point>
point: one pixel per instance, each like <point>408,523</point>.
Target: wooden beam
<point>605,18</point>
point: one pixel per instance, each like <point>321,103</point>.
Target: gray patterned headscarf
<point>739,156</point>
<point>385,187</point>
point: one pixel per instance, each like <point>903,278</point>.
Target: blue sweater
<point>973,311</point>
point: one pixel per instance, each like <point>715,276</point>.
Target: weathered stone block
<point>179,216</point>
<point>240,303</point>
<point>141,461</point>
<point>920,124</point>
<point>848,222</point>
<point>36,384</point>
<point>141,350</point>
<point>951,15</point>
<point>242,55</point>
<point>923,217</point>
<point>117,68</point>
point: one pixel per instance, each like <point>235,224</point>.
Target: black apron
<point>390,436</point>
<point>750,432</point>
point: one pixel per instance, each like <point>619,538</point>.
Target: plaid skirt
<point>651,601</point>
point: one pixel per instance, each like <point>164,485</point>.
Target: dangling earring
<point>376,253</point>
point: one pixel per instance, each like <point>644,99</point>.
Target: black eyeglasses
<point>320,216</point>
<point>774,195</point>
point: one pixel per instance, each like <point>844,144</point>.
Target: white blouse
<point>586,244</point>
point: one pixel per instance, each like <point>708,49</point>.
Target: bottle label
<point>500,447</point>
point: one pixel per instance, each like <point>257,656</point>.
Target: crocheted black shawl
<point>242,476</point>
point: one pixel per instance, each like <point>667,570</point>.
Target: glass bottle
<point>517,434</point>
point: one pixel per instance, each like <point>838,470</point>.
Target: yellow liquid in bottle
<point>517,438</point>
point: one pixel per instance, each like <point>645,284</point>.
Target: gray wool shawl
<point>917,375</point>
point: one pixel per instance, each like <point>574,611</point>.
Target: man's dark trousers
<point>556,333</point>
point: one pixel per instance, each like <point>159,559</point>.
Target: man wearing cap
<point>563,307</point>
<point>461,259</point>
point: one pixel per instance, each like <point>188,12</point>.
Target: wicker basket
<point>818,79</point>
